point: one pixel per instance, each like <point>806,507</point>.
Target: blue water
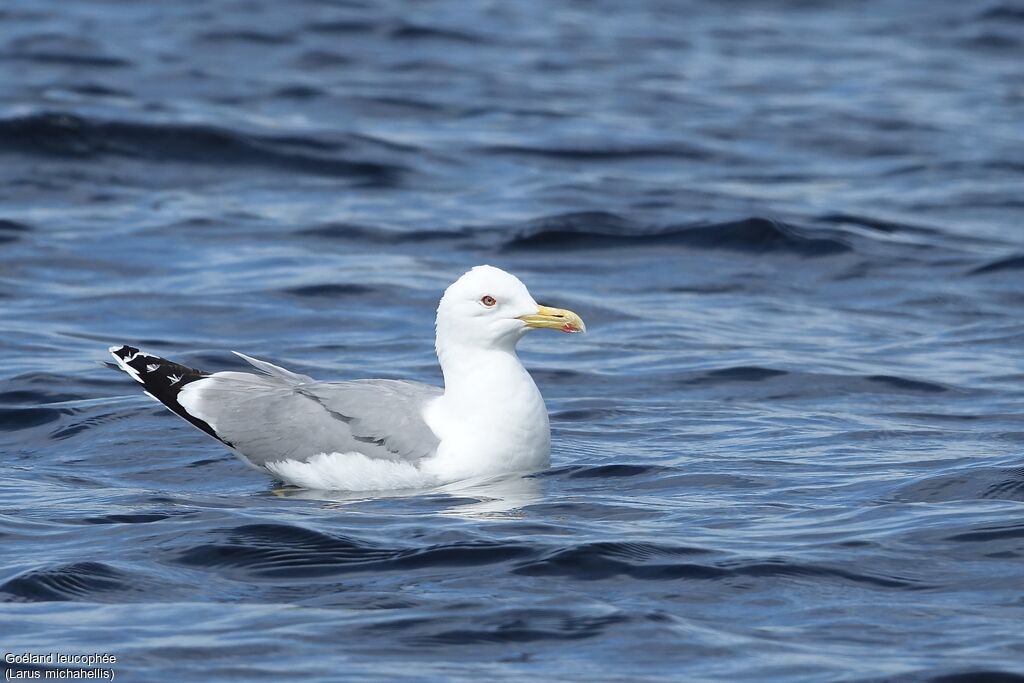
<point>791,446</point>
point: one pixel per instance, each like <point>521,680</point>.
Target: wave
<point>598,153</point>
<point>363,233</point>
<point>70,136</point>
<point>11,231</point>
<point>599,561</point>
<point>61,49</point>
<point>399,30</point>
<point>807,384</point>
<point>990,533</point>
<point>331,290</point>
<point>131,518</point>
<point>84,581</point>
<point>38,388</point>
<point>242,36</point>
<point>1002,12</point>
<point>743,373</point>
<point>976,483</point>
<point>340,26</point>
<point>36,397</point>
<point>67,59</point>
<point>966,676</point>
<point>14,419</point>
<point>1015,262</point>
<point>619,470</point>
<point>903,384</point>
<point>879,224</point>
<point>603,230</point>
<point>520,626</point>
<point>407,31</point>
<point>281,550</point>
<point>299,92</point>
<point>322,59</point>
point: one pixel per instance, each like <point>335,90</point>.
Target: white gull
<point>364,435</point>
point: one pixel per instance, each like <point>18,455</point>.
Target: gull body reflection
<point>503,496</point>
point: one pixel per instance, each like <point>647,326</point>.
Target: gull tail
<point>163,380</point>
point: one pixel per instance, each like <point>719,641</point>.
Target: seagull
<point>488,420</point>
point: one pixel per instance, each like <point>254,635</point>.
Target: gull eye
<point>488,300</point>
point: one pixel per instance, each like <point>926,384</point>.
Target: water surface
<point>791,446</point>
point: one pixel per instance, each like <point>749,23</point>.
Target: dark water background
<point>790,448</point>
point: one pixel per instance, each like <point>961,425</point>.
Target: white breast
<point>492,423</point>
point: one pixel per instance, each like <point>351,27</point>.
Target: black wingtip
<point>163,380</point>
<point>123,351</point>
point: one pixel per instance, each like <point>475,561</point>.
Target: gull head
<point>489,308</point>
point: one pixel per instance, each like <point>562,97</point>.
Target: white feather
<point>351,472</point>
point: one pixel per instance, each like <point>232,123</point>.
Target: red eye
<point>488,300</point>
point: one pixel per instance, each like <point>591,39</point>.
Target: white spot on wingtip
<point>123,362</point>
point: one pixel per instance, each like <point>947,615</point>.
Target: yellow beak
<point>554,319</point>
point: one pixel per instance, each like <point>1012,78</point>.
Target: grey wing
<point>384,413</point>
<point>285,416</point>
